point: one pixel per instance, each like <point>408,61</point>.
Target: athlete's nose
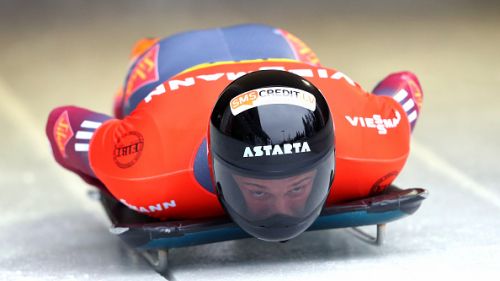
<point>282,206</point>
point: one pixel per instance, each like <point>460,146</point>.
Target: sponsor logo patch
<point>175,84</point>
<point>272,95</point>
<point>128,149</point>
<point>159,207</point>
<point>376,121</point>
<point>301,50</point>
<point>144,72</point>
<point>272,150</point>
<point>62,133</point>
<point>416,93</point>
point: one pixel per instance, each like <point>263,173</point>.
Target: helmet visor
<point>271,202</point>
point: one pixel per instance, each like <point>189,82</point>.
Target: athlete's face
<point>287,196</point>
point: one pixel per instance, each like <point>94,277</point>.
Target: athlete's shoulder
<point>157,60</point>
<point>220,74</point>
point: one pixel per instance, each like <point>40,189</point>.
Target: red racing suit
<point>154,160</point>
<point>146,160</point>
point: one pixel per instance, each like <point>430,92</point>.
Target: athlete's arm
<point>69,130</point>
<point>404,88</point>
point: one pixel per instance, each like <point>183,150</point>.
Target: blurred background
<point>56,53</point>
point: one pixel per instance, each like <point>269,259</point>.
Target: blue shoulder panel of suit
<point>188,49</point>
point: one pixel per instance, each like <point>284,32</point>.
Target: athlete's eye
<point>296,191</point>
<point>257,194</point>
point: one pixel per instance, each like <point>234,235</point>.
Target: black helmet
<point>272,153</point>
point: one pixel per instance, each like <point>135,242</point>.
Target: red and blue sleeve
<point>404,88</point>
<point>69,130</point>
